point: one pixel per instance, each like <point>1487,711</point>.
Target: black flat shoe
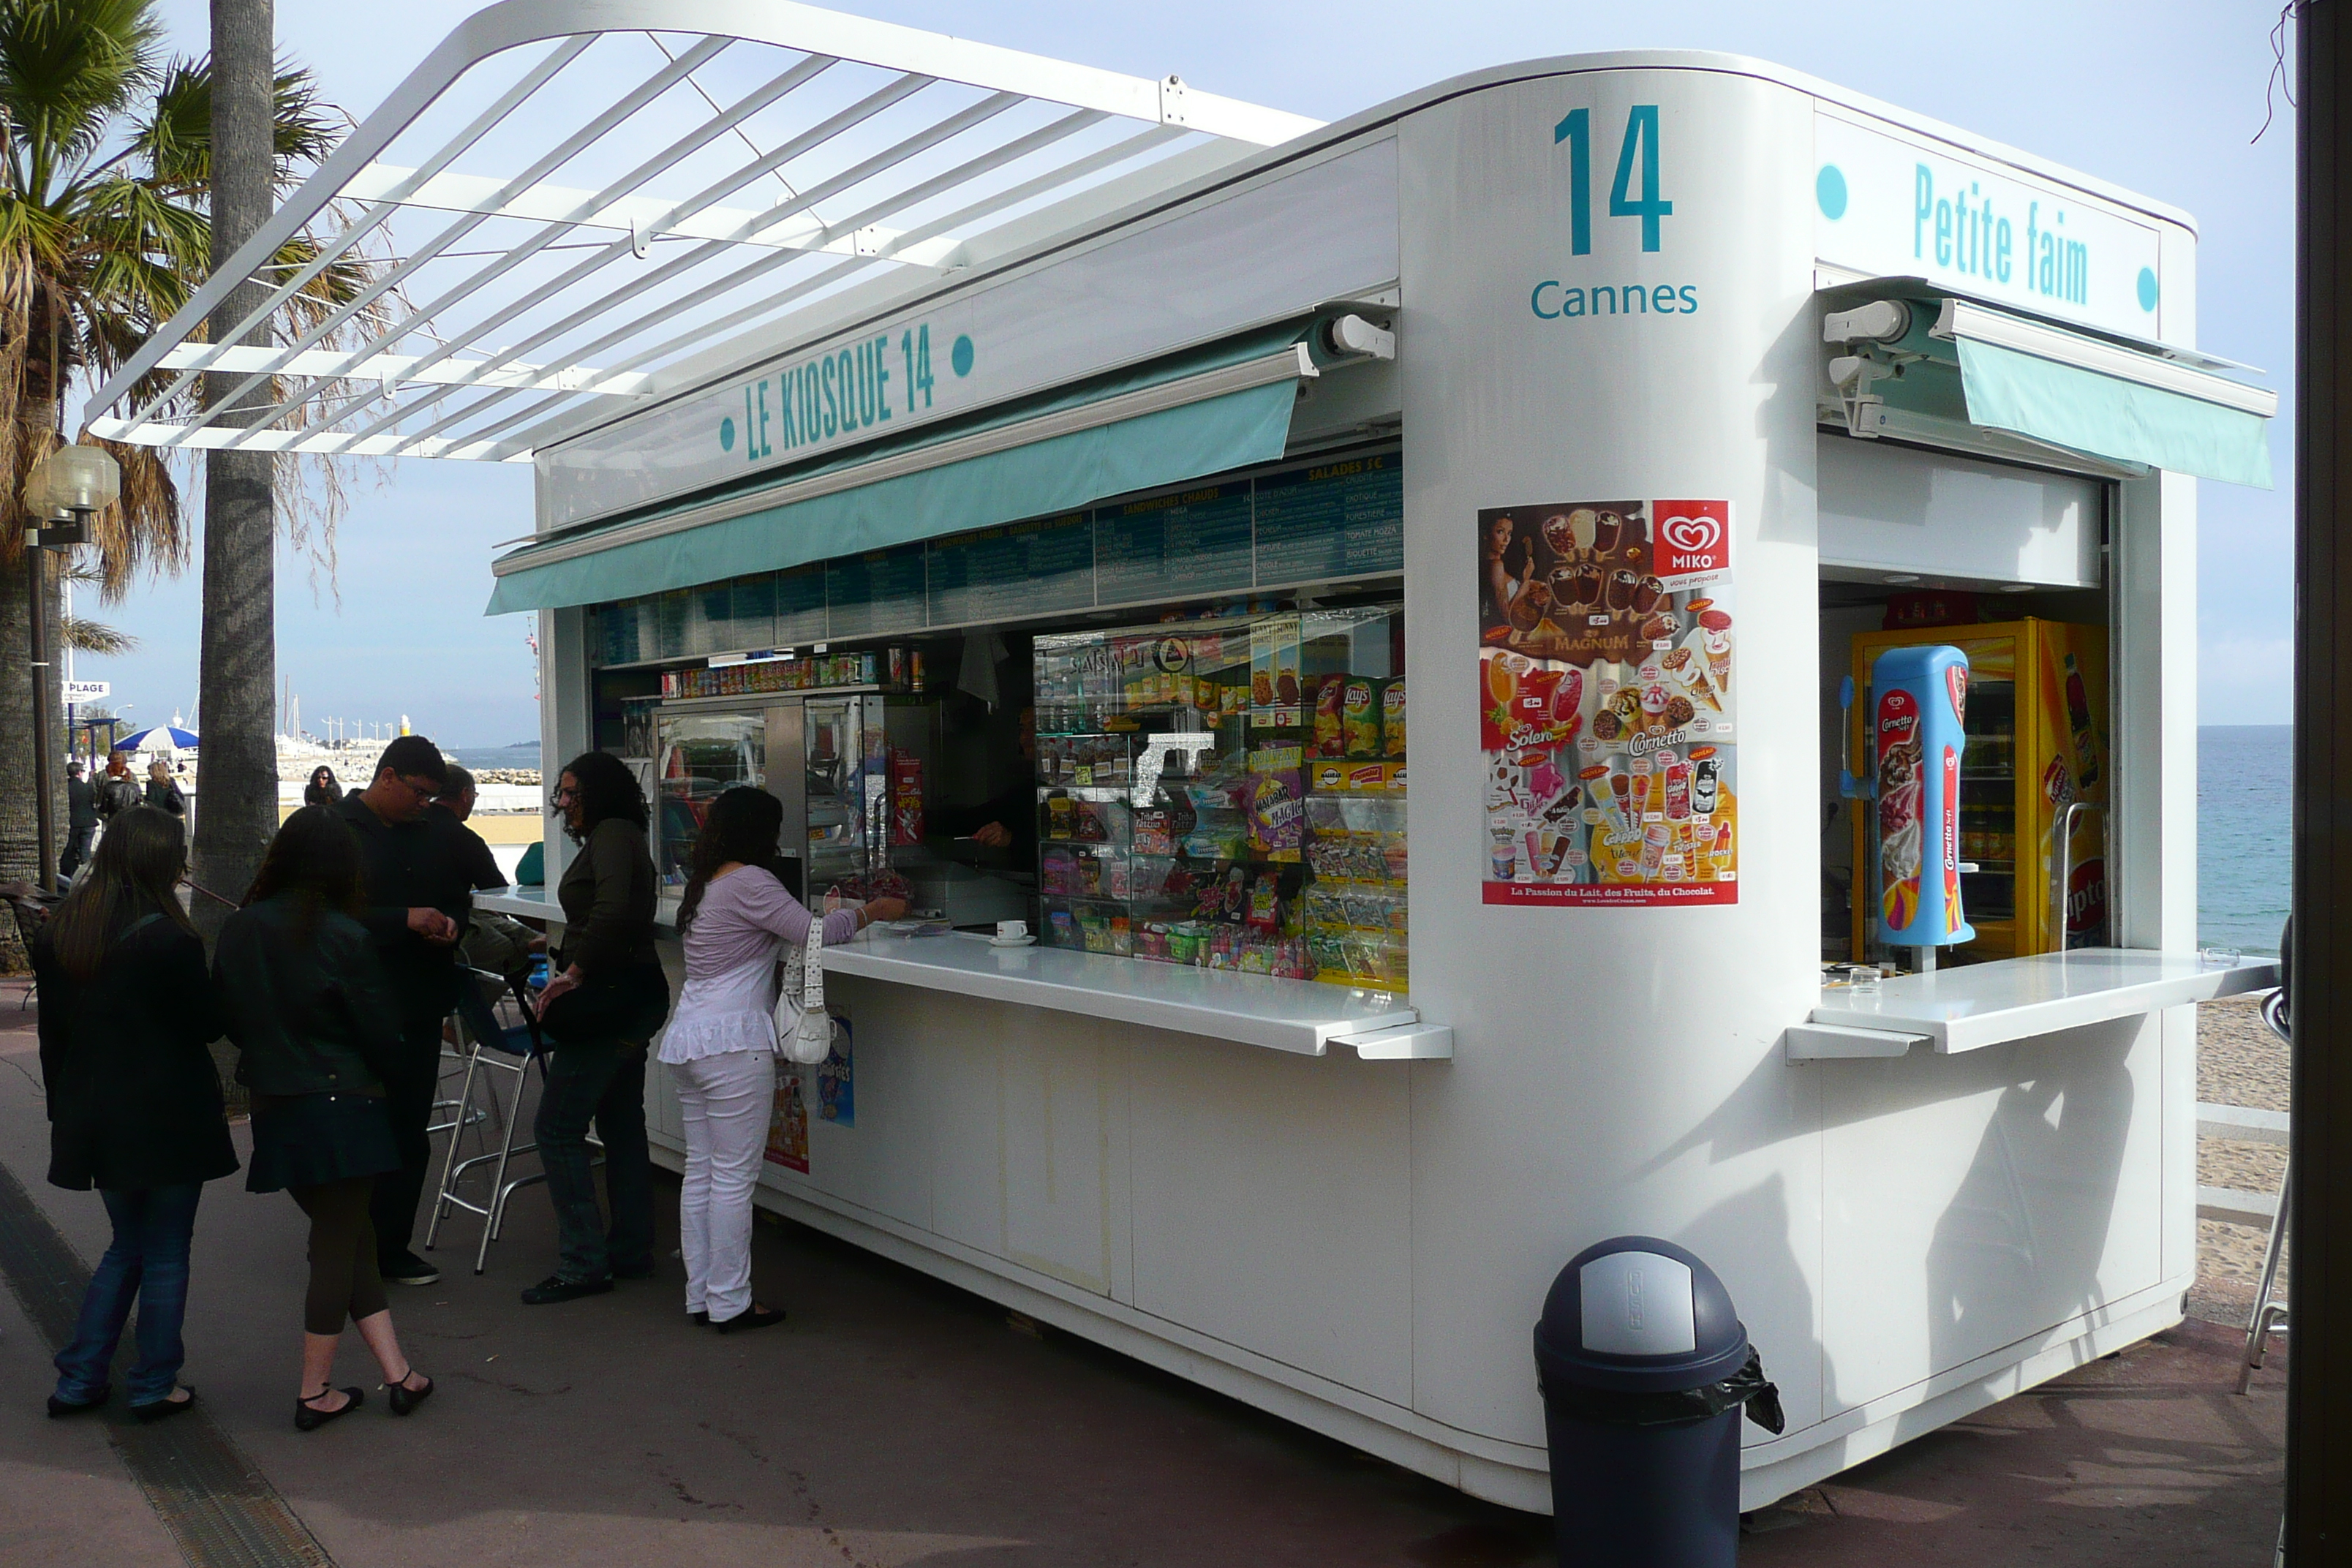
<point>308,1417</point>
<point>755,1317</point>
<point>556,1288</point>
<point>59,1407</point>
<point>405,1399</point>
<point>701,1318</point>
<point>166,1408</point>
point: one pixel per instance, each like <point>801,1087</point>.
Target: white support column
<point>566,722</point>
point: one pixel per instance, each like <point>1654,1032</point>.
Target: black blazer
<point>134,1100</point>
<point>305,1000</point>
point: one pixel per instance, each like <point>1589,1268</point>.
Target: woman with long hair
<point>164,791</point>
<point>605,1000</point>
<point>314,1023</point>
<point>134,1100</point>
<point>323,788</point>
<point>722,1042</point>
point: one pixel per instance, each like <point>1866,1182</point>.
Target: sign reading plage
<point>1606,696</point>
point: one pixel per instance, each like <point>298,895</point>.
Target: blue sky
<point>2161,97</point>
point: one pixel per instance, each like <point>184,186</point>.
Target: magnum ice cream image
<point>1900,800</point>
<point>1919,695</point>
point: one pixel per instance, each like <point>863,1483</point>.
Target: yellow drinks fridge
<point>2034,785</point>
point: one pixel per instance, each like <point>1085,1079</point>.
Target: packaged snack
<point>1155,831</point>
<point>1061,815</point>
<point>1392,719</point>
<point>906,799</point>
<point>1330,738</point>
<point>1278,814</point>
<point>1360,716</point>
<point>1122,941</point>
<point>1061,928</point>
<point>1265,905</point>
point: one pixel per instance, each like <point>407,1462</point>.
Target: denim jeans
<point>149,1263</point>
<point>603,1081</point>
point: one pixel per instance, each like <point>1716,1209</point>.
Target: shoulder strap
<point>150,918</point>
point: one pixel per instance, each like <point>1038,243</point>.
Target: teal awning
<point>2068,405</point>
<point>1206,413</point>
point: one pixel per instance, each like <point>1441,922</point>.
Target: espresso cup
<point>1012,930</point>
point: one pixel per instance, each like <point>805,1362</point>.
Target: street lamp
<point>60,492</point>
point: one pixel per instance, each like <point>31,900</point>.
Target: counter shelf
<point>1215,1003</point>
<point>1975,1006</point>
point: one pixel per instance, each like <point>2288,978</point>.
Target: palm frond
<point>172,141</point>
<point>94,637</point>
<point>68,69</point>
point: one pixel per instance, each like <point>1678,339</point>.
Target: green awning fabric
<point>2068,405</point>
<point>1056,474</point>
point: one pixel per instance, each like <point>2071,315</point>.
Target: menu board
<point>800,605</point>
<point>1020,569</point>
<point>616,632</point>
<point>1174,546</point>
<point>880,591</point>
<point>754,621</point>
<point>1340,520</point>
<point>671,613</point>
<point>1606,703</point>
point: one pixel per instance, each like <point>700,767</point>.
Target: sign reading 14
<point>1642,134</point>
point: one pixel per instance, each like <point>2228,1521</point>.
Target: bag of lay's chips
<point>1392,719</point>
<point>1360,716</point>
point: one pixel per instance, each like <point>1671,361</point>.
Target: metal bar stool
<point>492,1046</point>
<point>2270,1314</point>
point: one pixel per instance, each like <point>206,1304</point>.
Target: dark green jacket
<point>308,1009</point>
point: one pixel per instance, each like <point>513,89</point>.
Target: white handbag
<point>804,1028</point>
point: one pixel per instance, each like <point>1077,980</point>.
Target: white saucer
<point>1011,940</point>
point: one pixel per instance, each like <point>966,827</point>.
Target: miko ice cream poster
<point>1608,697</point>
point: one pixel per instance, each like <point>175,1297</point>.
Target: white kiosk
<point>1580,304</point>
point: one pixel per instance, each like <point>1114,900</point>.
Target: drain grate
<point>220,1510</point>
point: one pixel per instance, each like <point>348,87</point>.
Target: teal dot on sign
<point>1829,189</point>
<point>2147,288</point>
<point>727,435</point>
<point>960,357</point>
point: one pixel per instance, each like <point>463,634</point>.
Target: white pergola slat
<point>572,204</point>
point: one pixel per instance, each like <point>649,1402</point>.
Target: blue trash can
<point>1644,1368</point>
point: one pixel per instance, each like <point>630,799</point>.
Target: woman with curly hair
<point>607,998</point>
<point>314,1024</point>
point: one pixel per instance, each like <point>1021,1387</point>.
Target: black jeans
<point>603,1081</point>
<point>77,850</point>
<point>409,1086</point>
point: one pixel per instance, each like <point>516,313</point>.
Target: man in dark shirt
<point>492,941</point>
<point>417,896</point>
<point>82,821</point>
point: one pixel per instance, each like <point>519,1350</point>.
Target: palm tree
<point>105,184</point>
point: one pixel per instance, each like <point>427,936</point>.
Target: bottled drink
<point>2078,719</point>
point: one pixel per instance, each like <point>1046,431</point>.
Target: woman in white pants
<point>722,1042</point>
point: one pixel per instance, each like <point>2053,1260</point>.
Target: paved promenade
<point>894,1420</point>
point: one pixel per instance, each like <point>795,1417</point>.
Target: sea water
<point>2245,815</point>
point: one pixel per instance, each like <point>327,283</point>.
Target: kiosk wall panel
<point>1615,1070</point>
<point>1272,1205</point>
<point>1975,1201</point>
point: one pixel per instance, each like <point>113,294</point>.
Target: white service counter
<point>1978,1004</point>
<point>1295,1015</point>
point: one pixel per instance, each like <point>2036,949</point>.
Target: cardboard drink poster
<point>788,1141</point>
<point>837,1078</point>
<point>1607,698</point>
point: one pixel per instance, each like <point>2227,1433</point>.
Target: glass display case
<point>696,756</point>
<point>1229,794</point>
